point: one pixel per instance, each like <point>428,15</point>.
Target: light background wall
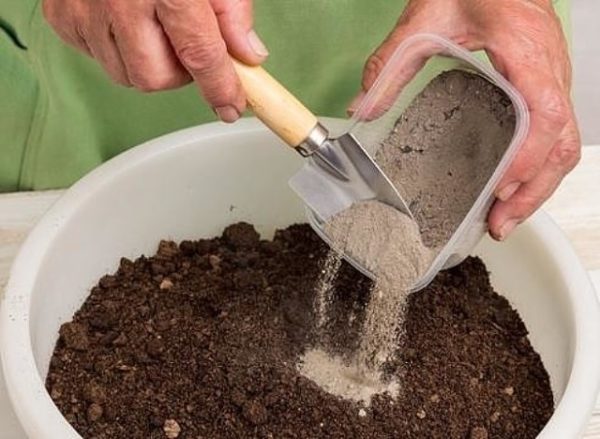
<point>586,65</point>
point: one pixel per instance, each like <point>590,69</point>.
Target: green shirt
<point>60,115</point>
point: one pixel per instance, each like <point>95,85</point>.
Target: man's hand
<point>163,44</point>
<point>524,41</point>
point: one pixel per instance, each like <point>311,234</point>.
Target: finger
<point>549,110</point>
<point>102,45</point>
<point>66,22</point>
<point>506,215</point>
<point>149,59</point>
<point>236,23</point>
<point>193,31</point>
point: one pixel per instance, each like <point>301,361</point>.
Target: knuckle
<point>55,14</point>
<point>526,167</point>
<point>79,30</point>
<point>67,26</point>
<point>124,20</point>
<point>167,6</point>
<point>556,109</point>
<point>118,31</point>
<point>144,82</point>
<point>373,68</point>
<point>202,57</point>
<point>69,23</point>
<point>567,155</point>
<point>115,8</point>
<point>117,15</point>
<point>573,157</point>
<point>148,83</point>
<point>220,93</point>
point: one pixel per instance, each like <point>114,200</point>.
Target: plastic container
<point>180,187</point>
<point>413,65</point>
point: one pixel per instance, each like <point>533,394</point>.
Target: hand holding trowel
<point>338,172</point>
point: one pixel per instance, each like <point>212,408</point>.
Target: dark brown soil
<point>201,340</point>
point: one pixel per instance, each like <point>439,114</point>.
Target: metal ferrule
<point>313,141</point>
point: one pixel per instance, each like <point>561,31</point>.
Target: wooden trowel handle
<point>273,104</point>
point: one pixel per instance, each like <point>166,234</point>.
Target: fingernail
<point>227,113</point>
<point>356,103</point>
<point>507,228</point>
<point>507,191</point>
<point>257,45</point>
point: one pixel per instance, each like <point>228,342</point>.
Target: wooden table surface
<point>575,207</point>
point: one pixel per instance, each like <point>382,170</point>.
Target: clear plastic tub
<point>413,65</point>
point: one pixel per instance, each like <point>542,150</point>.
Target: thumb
<point>380,57</point>
<point>412,54</point>
<point>442,18</point>
<point>236,25</point>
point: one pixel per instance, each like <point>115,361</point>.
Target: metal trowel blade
<point>340,174</point>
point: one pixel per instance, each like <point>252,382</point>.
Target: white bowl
<point>192,184</point>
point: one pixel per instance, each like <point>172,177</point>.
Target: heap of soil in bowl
<point>202,340</point>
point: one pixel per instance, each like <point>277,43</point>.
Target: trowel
<point>338,171</point>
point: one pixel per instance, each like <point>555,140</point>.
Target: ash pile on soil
<point>390,246</point>
<point>440,154</point>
